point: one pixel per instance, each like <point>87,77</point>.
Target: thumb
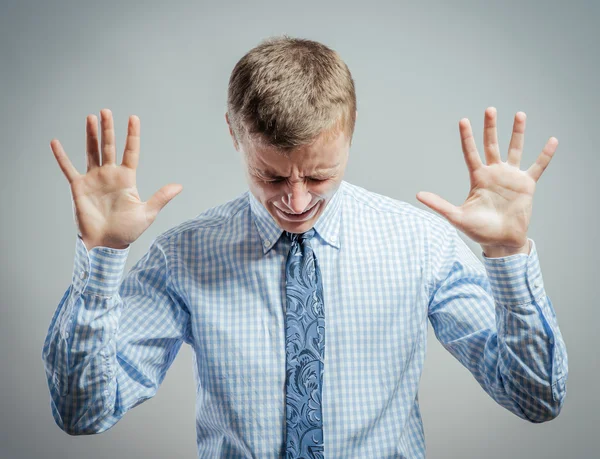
<point>447,210</point>
<point>162,197</point>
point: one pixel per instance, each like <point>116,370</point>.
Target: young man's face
<point>295,189</point>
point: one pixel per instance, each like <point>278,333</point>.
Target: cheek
<point>264,191</point>
<point>325,189</point>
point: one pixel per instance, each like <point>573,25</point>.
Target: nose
<point>298,198</point>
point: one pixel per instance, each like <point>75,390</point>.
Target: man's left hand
<point>497,211</point>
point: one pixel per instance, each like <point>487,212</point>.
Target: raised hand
<point>107,207</point>
<point>497,211</point>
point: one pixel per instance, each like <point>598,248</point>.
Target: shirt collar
<point>327,225</point>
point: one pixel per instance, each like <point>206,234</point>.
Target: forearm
<point>79,351</point>
<point>78,362</point>
<point>532,358</point>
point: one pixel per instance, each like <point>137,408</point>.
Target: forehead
<point>324,153</point>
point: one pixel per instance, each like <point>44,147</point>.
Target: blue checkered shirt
<point>217,283</point>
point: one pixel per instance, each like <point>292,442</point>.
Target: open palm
<point>498,208</point>
<point>107,208</point>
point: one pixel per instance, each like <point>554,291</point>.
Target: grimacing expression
<point>295,188</point>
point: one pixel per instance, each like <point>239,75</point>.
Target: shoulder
<point>357,198</point>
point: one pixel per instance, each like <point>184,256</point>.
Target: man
<point>305,299</point>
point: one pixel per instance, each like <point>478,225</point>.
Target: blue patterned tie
<point>304,349</point>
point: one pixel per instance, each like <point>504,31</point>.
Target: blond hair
<point>287,91</point>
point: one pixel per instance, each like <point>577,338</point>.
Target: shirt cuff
<point>99,270</point>
<point>515,279</point>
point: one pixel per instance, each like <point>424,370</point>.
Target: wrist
<point>497,251</point>
<point>89,245</point>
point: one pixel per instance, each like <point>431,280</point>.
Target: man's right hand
<point>107,207</point>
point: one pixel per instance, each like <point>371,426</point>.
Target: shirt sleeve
<point>498,321</point>
<point>109,346</point>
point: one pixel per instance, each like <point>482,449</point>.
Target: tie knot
<point>302,237</point>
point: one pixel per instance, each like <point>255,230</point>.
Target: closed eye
<point>281,179</point>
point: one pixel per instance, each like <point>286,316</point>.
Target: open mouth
<point>306,215</point>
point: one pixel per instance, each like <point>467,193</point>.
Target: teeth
<point>298,217</point>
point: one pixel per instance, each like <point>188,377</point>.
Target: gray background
<point>418,70</point>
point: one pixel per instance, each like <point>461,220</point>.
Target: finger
<point>161,198</point>
<point>108,137</point>
<point>468,145</point>
<point>451,212</point>
<point>93,154</point>
<point>490,137</point>
<point>542,161</point>
<point>132,143</point>
<point>515,149</point>
<point>63,161</point>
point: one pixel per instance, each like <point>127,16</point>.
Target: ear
<point>235,143</point>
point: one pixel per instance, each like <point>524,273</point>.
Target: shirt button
<point>267,243</point>
<point>83,274</point>
<point>67,335</point>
